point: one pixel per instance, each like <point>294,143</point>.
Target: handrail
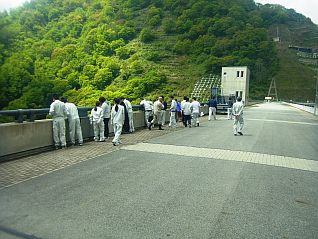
<point>32,113</point>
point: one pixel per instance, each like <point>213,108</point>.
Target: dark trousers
<point>106,129</point>
<point>187,120</point>
<point>179,116</point>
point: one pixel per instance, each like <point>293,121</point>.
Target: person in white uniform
<point>173,112</point>
<point>237,112</point>
<point>182,107</point>
<point>148,108</point>
<point>195,106</point>
<point>96,118</point>
<point>163,111</point>
<point>186,109</point>
<point>130,115</point>
<point>157,107</point>
<point>74,122</point>
<point>59,113</point>
<point>117,120</point>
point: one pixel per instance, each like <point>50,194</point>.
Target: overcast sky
<point>309,8</point>
<point>7,4</point>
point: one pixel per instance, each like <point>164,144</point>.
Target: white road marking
<point>282,121</point>
<point>247,157</point>
<point>272,112</point>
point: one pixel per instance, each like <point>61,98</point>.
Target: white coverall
<point>117,120</point>
<point>195,105</point>
<point>157,107</point>
<point>148,106</point>
<point>163,114</point>
<point>98,123</point>
<point>59,113</point>
<point>130,115</point>
<point>74,123</point>
<point>106,116</point>
<point>237,111</point>
<point>173,111</point>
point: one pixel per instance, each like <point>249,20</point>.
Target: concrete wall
<point>26,136</point>
<point>303,107</point>
<point>32,136</point>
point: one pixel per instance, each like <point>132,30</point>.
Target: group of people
<point>120,115</point>
<point>60,110</point>
<point>185,110</point>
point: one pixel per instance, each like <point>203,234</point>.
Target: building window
<point>242,73</point>
<point>238,74</point>
<point>238,94</point>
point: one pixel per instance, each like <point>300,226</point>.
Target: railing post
<point>32,116</point>
<point>19,117</point>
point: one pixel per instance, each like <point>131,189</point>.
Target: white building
<point>276,39</point>
<point>235,81</point>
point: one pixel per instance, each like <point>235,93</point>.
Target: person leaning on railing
<point>59,113</point>
<point>73,122</point>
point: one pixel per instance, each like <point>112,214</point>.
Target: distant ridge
<point>86,48</point>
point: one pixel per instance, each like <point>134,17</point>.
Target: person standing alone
<point>212,107</point>
<point>59,113</point>
<point>238,116</point>
<point>74,122</point>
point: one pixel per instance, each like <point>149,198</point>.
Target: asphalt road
<point>140,194</point>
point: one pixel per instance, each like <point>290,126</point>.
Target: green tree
<point>146,35</point>
<point>102,78</point>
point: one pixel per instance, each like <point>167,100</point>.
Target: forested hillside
<point>86,48</point>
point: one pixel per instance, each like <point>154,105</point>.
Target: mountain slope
<point>136,48</point>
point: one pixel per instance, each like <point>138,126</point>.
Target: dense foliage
<point>86,48</point>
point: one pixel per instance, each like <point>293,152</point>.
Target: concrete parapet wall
<point>27,136</point>
<point>20,137</point>
<point>302,107</point>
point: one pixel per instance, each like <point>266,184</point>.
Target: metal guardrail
<point>20,113</point>
<point>30,115</point>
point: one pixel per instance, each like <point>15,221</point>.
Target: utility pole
<point>273,88</point>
